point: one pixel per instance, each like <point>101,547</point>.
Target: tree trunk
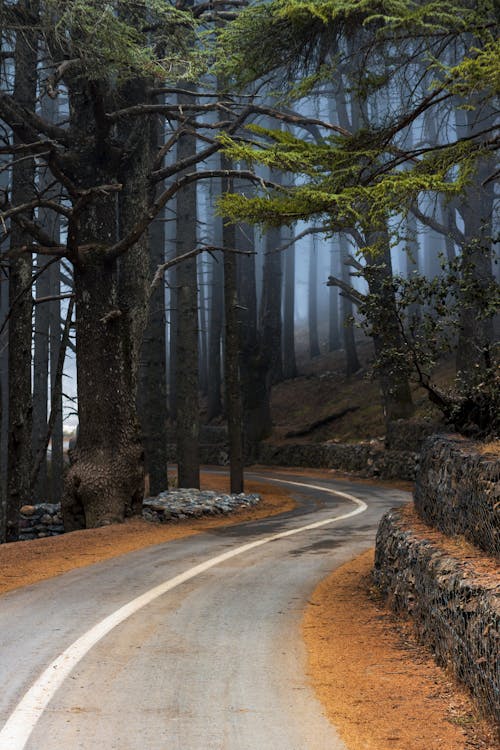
<point>187,376</point>
<point>254,368</point>
<point>312,300</point>
<point>270,306</point>
<point>396,394</point>
<point>202,326</point>
<point>476,331</point>
<point>214,407</point>
<point>57,445</point>
<point>334,342</point>
<point>289,361</point>
<point>106,480</point>
<point>41,379</point>
<point>234,407</point>
<point>352,363</point>
<point>4,383</point>
<point>20,403</point>
<point>152,391</point>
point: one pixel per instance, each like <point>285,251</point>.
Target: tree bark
<point>352,363</point>
<point>289,361</point>
<point>476,332</point>
<point>20,403</point>
<point>152,391</point>
<point>234,407</point>
<point>214,407</point>
<point>312,300</point>
<point>334,342</point>
<point>57,445</point>
<point>270,307</point>
<point>41,380</point>
<point>395,389</point>
<point>187,362</point>
<point>106,480</point>
<point>254,368</point>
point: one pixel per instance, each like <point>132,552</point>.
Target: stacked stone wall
<point>41,520</point>
<point>458,491</point>
<point>456,611</point>
<point>365,459</point>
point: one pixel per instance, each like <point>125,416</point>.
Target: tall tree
<point>289,361</point>
<point>152,391</point>
<point>312,300</point>
<point>22,193</point>
<point>187,360</point>
<point>352,363</point>
<point>334,341</point>
<point>270,306</point>
<point>108,60</point>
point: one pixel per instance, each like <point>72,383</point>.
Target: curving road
<point>190,645</point>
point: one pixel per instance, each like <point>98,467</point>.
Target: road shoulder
<point>379,687</point>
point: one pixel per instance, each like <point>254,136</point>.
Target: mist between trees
<point>186,186</point>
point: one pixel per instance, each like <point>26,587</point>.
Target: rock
<point>28,510</point>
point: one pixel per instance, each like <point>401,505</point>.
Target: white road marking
<point>22,721</point>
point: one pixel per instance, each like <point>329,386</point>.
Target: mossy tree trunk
<point>105,482</point>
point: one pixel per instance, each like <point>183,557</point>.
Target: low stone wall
<point>41,520</point>
<point>365,459</point>
<point>44,519</point>
<point>458,491</point>
<point>409,435</point>
<point>454,613</point>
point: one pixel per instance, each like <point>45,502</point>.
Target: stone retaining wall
<point>454,613</point>
<point>365,459</point>
<point>409,434</point>
<point>458,491</point>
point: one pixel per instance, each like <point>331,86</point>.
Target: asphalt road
<point>189,645</point>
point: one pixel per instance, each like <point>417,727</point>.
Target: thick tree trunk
<point>106,480</point>
<point>395,389</point>
<point>20,403</point>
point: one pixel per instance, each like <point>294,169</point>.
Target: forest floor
<point>379,687</point>
<point>322,390</point>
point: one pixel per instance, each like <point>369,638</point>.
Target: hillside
<point>322,391</point>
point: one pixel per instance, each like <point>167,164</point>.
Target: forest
<point>186,186</point>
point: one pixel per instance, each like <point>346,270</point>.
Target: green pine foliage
<point>380,48</point>
<point>121,39</point>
